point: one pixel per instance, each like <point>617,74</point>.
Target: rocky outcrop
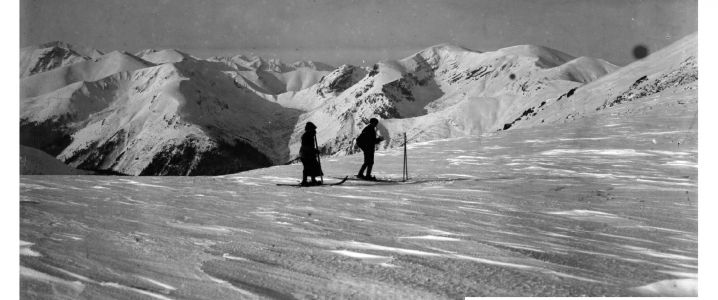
<point>50,56</point>
<point>339,80</point>
<point>683,74</point>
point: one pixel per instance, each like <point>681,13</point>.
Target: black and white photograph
<point>346,149</point>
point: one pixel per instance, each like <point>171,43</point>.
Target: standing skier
<point>367,141</point>
<point>308,155</point>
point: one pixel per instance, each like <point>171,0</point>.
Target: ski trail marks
<point>157,283</point>
<point>367,258</point>
<point>431,237</point>
<point>143,184</point>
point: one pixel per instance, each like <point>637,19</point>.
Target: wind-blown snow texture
<point>169,113</point>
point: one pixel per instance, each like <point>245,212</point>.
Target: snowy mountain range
<point>170,113</point>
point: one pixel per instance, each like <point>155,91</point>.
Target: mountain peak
<point>339,80</point>
<point>547,56</point>
<point>142,53</point>
<point>241,57</point>
<point>55,44</point>
<point>52,55</point>
<point>451,47</point>
<point>319,66</point>
<point>163,56</point>
<point>80,50</point>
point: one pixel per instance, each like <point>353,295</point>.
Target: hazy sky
<point>358,32</point>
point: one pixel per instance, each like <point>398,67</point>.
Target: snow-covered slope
<point>327,87</point>
<point>582,69</point>
<point>163,56</point>
<point>36,162</point>
<point>90,70</point>
<point>45,57</point>
<point>301,78</point>
<point>670,70</point>
<point>273,77</point>
<point>185,118</point>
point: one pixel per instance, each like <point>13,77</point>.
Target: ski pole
<point>406,168</point>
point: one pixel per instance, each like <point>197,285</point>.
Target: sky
<point>358,32</point>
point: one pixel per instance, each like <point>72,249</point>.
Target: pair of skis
<point>321,184</point>
<point>316,146</point>
<point>405,171</point>
<point>343,180</point>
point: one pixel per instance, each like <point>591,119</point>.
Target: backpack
<point>363,141</point>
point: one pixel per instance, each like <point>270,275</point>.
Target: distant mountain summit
<point>52,55</point>
<point>163,56</point>
<point>82,70</point>
<point>271,77</point>
<point>257,63</point>
<point>80,50</point>
<point>319,66</point>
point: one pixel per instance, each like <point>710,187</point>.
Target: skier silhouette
<point>308,155</point>
<point>367,141</point>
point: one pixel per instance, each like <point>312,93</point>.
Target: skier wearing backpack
<point>367,141</point>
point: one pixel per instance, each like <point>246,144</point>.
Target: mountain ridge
<point>169,113</point>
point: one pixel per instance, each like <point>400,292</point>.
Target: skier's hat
<point>373,121</point>
<point>310,125</point>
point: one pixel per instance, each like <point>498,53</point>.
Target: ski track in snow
<point>142,184</point>
<point>611,152</point>
<point>367,258</point>
<point>430,237</point>
<point>129,288</point>
<point>160,284</point>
